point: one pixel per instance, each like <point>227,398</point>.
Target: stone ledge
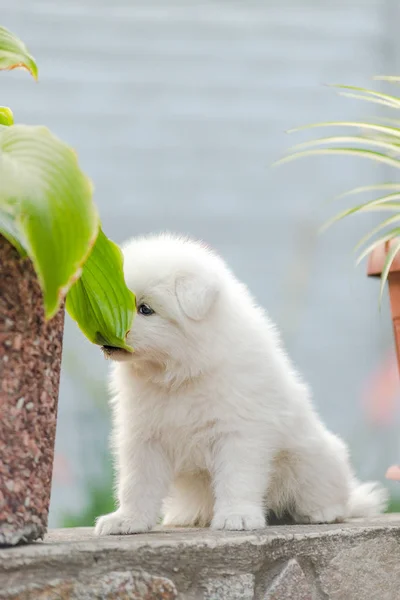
<point>359,560</point>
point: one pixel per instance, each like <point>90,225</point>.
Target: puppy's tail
<point>367,499</point>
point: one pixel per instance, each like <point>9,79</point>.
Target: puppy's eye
<point>145,309</point>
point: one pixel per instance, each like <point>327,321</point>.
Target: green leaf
<point>390,78</point>
<point>385,223</point>
<point>395,131</point>
<point>100,301</point>
<point>361,152</point>
<point>391,255</point>
<point>14,54</point>
<point>371,99</point>
<point>369,188</point>
<point>369,141</point>
<point>6,116</point>
<point>366,188</point>
<point>366,206</point>
<point>46,204</point>
<point>390,235</point>
<point>385,97</point>
<point>387,206</point>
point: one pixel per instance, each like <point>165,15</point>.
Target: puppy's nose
<point>112,352</point>
<point>108,349</point>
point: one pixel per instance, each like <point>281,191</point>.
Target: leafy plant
<point>47,213</point>
<point>373,141</point>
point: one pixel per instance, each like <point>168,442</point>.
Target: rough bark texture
<point>358,560</point>
<point>30,360</point>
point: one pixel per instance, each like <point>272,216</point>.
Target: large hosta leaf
<point>9,230</point>
<point>47,208</point>
<point>14,54</point>
<point>47,213</point>
<point>99,301</point>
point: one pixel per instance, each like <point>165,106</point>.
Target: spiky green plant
<point>373,141</point>
<point>47,213</point>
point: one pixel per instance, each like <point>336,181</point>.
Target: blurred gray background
<point>177,110</point>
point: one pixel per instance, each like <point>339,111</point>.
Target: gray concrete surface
<point>358,560</point>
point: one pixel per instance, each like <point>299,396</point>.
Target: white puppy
<point>212,424</point>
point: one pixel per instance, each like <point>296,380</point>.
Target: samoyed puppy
<point>212,425</point>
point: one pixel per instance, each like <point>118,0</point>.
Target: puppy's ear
<point>196,295</point>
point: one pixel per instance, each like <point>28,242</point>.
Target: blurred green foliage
<point>100,502</point>
<point>394,505</point>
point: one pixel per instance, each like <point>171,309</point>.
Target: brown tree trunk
<point>30,360</point>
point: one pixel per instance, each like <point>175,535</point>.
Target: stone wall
<point>354,561</point>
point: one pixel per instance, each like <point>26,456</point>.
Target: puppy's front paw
<point>239,521</point>
<point>118,524</point>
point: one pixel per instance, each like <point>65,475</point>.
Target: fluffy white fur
<point>212,424</point>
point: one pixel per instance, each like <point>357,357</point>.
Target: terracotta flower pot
<point>30,360</point>
<point>375,268</point>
